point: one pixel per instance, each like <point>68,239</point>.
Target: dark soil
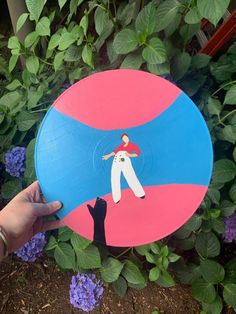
<point>41,288</point>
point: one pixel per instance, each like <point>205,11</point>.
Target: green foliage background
<point>74,38</point>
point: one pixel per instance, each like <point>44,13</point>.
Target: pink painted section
<point>117,99</point>
<point>136,221</point>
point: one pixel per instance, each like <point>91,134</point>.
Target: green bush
<point>74,38</point>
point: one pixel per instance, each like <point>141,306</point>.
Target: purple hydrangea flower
<point>85,291</point>
<point>14,160</point>
<point>32,249</point>
<point>230,228</point>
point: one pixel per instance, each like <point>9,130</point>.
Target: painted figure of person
<point>122,164</point>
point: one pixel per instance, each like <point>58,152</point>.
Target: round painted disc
<point>157,174</point>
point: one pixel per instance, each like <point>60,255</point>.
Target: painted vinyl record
<point>127,153</point>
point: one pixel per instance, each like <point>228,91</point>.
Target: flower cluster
<point>230,228</point>
<point>32,249</point>
<point>14,161</point>
<point>85,291</point>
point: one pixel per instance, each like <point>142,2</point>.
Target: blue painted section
<point>175,148</point>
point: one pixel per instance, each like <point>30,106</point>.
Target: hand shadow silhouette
<point>98,213</point>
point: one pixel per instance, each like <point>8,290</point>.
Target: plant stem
<point>122,253</point>
<point>227,115</point>
<point>223,86</point>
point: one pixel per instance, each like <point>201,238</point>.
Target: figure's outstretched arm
<point>105,157</point>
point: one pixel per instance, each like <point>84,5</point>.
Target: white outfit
<point>122,163</point>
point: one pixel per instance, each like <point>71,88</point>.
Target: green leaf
<point>212,271</point>
<point>182,233</point>
<point>137,286</point>
<point>73,53</point>
<point>11,99</point>
<point>32,64</point>
<point>132,61</point>
<point>120,286</point>
<point>61,3</point>
<point>200,61</point>
<point>65,255</point>
<point>66,40</point>
<point>52,243</point>
<point>132,273</point>
<point>30,39</point>
<point>101,18</point>
<point>78,242</point>
<point>207,244</point>
<point>187,31</point>
<point>155,248</point>
<point>227,133</point>
<point>25,120</point>
<point>21,21</point>
<point>194,223</point>
<point>224,171</point>
<point>212,10</point>
<point>33,97</point>
<point>215,307</point>
<point>180,65</point>
<point>43,27</point>
<point>229,294</point>
<point>230,271</point>
<point>11,188</point>
<point>125,41</point>
<point>151,258</point>
<point>146,20</point>
<point>75,75</point>
<point>193,16</point>
<point>12,62</point>
<point>230,97</point>
<point>84,23</point>
<point>227,208</point>
<point>125,13</point>
<point>64,234</point>
<point>234,154</point>
<point>35,8</point>
<point>13,85</point>
<point>13,43</point>
<point>54,41</point>
<point>232,193</point>
<point>57,62</point>
<point>89,258</point>
<point>104,35</point>
<point>165,279</point>
<point>159,69</point>
<point>154,52</point>
<point>154,273</point>
<point>214,106</point>
<point>203,291</point>
<point>112,55</point>
<point>214,195</point>
<point>173,257</point>
<point>29,164</point>
<point>87,55</point>
<point>166,12</point>
<point>173,25</point>
<point>111,269</point>
<point>142,249</point>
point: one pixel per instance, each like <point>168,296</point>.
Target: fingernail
<point>58,204</point>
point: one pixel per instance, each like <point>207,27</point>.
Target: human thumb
<point>46,209</point>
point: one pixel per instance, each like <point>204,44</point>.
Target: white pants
<point>122,163</point>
